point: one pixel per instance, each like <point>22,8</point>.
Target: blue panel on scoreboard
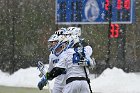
<point>94,11</point>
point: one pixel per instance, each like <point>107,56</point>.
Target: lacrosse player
<point>71,63</point>
<point>53,59</point>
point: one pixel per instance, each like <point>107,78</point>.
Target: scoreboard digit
<point>114,31</point>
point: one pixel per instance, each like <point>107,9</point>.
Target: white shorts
<point>77,86</point>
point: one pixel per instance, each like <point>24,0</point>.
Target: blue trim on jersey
<point>55,61</point>
<point>76,58</point>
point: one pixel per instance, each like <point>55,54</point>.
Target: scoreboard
<point>94,11</point>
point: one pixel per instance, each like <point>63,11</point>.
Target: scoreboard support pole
<point>109,39</point>
<point>121,47</point>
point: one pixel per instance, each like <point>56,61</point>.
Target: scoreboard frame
<point>101,10</point>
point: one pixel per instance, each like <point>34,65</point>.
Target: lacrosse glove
<point>42,83</point>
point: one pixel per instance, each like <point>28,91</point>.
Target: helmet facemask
<point>60,48</point>
<point>52,42</point>
<point>61,45</point>
<point>51,45</point>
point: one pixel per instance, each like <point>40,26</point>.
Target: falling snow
<point>25,26</point>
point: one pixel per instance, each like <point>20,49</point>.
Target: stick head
<point>40,65</point>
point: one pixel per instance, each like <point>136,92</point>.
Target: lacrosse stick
<point>43,72</point>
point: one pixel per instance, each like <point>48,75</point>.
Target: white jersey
<point>72,69</point>
<point>52,59</point>
<point>59,80</point>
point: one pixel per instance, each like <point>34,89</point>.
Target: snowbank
<point>116,81</point>
<point>110,81</point>
<point>22,78</point>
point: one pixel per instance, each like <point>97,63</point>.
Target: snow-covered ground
<point>110,81</point>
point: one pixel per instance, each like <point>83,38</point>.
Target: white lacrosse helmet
<point>73,31</point>
<point>52,41</point>
<point>60,31</point>
<point>73,39</point>
<point>53,37</point>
